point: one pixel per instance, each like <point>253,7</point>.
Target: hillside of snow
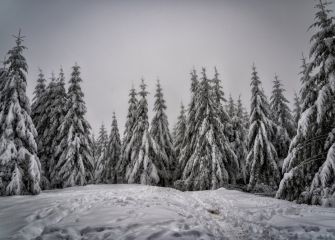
<point>145,212</point>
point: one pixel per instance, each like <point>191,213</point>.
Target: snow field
<point>146,212</point>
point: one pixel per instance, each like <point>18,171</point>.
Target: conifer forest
<point>224,168</point>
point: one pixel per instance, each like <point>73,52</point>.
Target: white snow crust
<point>147,212</point>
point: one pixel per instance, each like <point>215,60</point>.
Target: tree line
<point>214,143</point>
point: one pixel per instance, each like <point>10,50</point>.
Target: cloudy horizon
<point>116,43</point>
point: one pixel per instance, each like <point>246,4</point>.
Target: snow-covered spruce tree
<point>110,152</point>
<point>309,90</point>
<point>146,165</point>
<point>246,118</point>
<point>127,136</point>
<point>3,78</point>
<point>322,189</point>
<point>42,126</point>
<point>102,154</point>
<point>240,142</point>
<point>3,82</point>
<point>225,113</point>
<point>74,165</point>
<point>219,99</point>
<point>238,135</point>
<point>38,115</point>
<point>19,165</point>
<point>310,165</point>
<point>188,145</point>
<point>212,163</point>
<point>114,153</point>
<point>161,134</point>
<point>57,111</point>
<point>280,108</point>
<point>179,131</point>
<point>283,119</point>
<point>231,107</point>
<point>296,110</point>
<point>296,179</point>
<point>231,111</point>
<point>94,150</point>
<point>52,112</point>
<point>38,101</point>
<point>102,140</point>
<point>217,88</point>
<point>262,157</point>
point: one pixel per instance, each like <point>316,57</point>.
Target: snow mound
<point>146,212</point>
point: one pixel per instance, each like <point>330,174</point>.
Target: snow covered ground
<point>144,212</point>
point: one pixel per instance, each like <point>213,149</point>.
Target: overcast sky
<point>118,42</point>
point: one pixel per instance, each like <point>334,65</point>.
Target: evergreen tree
<point>282,117</point>
<point>246,119</point>
<point>180,130</point>
<point>38,113</point>
<point>217,88</point>
<point>127,136</point>
<point>3,76</point>
<point>131,116</point>
<point>3,82</point>
<point>262,157</point>
<point>52,112</point>
<point>293,184</point>
<point>95,155</point>
<point>226,113</point>
<point>43,127</point>
<point>102,155</point>
<point>57,111</point>
<point>212,163</point>
<point>219,99</point>
<point>188,144</point>
<point>231,107</point>
<point>240,142</point>
<point>161,134</point>
<point>38,100</point>
<point>309,172</point>
<point>146,164</point>
<point>114,153</point>
<point>102,141</point>
<point>19,165</point>
<point>74,155</point>
<point>237,135</point>
<point>230,123</point>
<point>296,110</point>
<point>280,109</point>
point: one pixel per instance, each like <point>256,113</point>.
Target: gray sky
<point>118,42</point>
